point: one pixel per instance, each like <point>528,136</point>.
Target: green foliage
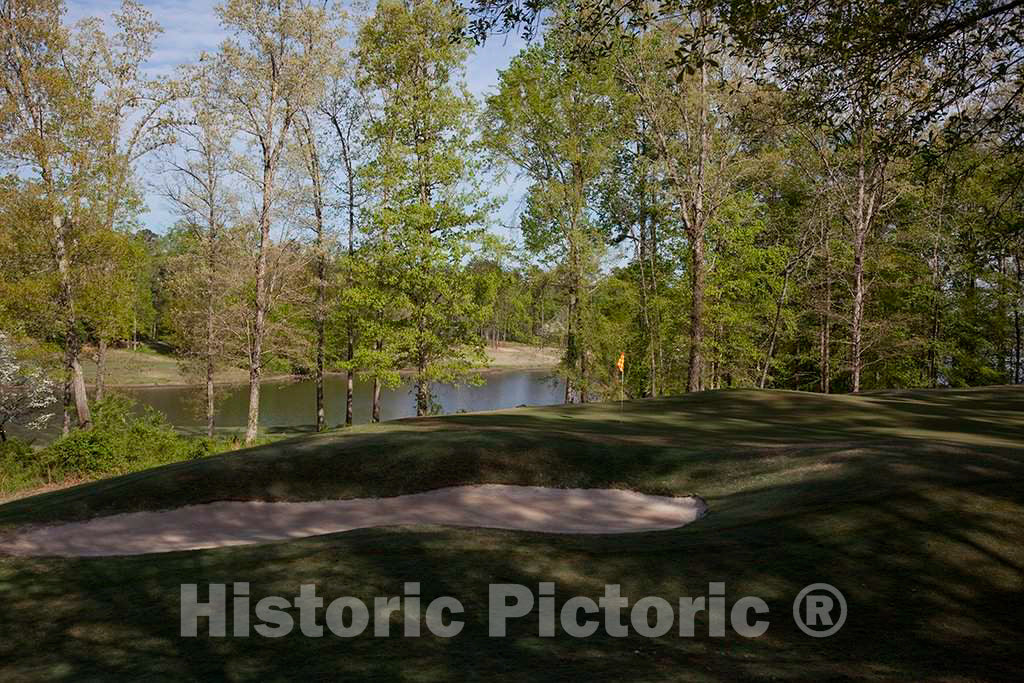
<point>743,289</point>
<point>502,289</point>
<point>424,176</point>
<point>656,166</point>
<point>121,440</point>
<point>18,466</point>
<point>557,122</point>
<point>109,287</point>
<point>124,438</point>
<point>15,453</point>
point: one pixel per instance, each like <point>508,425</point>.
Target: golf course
<point>910,503</point>
<point>511,340</point>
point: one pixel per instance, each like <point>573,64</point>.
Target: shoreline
<point>301,378</point>
<point>145,370</point>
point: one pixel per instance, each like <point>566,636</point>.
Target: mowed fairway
<point>911,503</point>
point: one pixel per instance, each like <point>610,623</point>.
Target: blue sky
<point>191,26</point>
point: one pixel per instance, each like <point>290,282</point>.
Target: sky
<point>191,26</point>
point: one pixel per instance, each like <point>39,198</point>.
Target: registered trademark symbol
<point>814,610</point>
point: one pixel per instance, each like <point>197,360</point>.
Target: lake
<point>290,403</point>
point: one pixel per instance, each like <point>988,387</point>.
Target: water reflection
<point>292,403</point>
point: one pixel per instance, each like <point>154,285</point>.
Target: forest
<point>731,194</point>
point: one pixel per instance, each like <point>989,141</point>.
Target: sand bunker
<point>526,508</point>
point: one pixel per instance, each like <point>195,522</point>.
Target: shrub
<point>19,466</point>
<point>81,453</point>
<point>16,453</point>
<point>123,438</point>
<point>120,440</point>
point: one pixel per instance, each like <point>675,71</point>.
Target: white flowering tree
<point>24,392</point>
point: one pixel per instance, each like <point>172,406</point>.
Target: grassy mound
<point>910,503</point>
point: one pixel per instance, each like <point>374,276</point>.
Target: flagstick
<point>622,390</point>
<point>621,366</point>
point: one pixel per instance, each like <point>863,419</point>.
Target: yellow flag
<point>621,364</point>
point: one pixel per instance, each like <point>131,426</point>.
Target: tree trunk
<point>1017,370</point>
<point>659,348</point>
<point>825,369</point>
<point>81,398</point>
<point>579,345</point>
<point>375,409</point>
<point>697,223</point>
<point>255,373</point>
<point>775,330</point>
<point>210,412</point>
<point>825,358</point>
<point>211,339</point>
<point>321,297</point>
<point>868,196</point>
<point>101,367</point>
<point>1017,348</point>
<point>694,380</point>
<point>858,311</point>
<point>66,305</point>
<point>321,416</point>
<point>349,388</point>
<point>375,415</point>
<point>350,379</point>
<point>571,347</point>
<point>422,391</point>
<point>320,314</point>
<point>933,365</point>
<point>350,183</point>
<point>259,318</point>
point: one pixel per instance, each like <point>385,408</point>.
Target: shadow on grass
<point>933,580</point>
<point>910,503</point>
<point>712,444</point>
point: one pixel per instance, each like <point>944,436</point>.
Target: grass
<point>910,503</point>
<point>148,366</point>
<point>515,356</point>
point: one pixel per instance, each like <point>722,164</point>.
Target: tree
<point>554,120</point>
<point>108,283</point>
<point>635,207</point>
<point>132,110</point>
<point>860,126</point>
<point>502,291</point>
<point>270,70</point>
<point>689,114</point>
<point>424,178</point>
<point>436,330</point>
<point>26,391</point>
<point>204,282</point>
<point>51,135</point>
<point>368,313</point>
<point>346,108</point>
<point>309,148</point>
